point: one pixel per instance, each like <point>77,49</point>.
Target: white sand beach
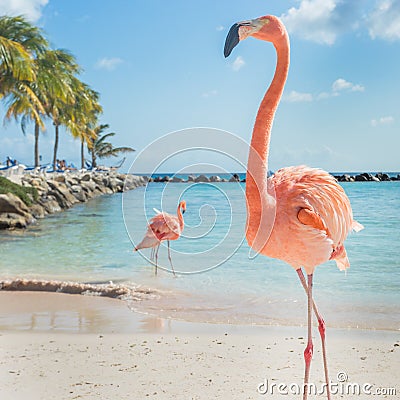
<point>59,346</point>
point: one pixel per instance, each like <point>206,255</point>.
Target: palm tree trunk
<point>94,164</point>
<point>55,146</point>
<point>82,153</point>
<point>36,155</point>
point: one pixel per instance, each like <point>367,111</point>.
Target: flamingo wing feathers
<point>313,218</point>
<point>165,226</point>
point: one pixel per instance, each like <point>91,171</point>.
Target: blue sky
<point>159,67</point>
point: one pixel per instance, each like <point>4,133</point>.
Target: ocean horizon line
<point>390,173</point>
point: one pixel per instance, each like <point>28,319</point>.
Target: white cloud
<point>341,85</point>
<point>31,9</point>
<point>297,97</point>
<point>327,95</point>
<point>338,87</point>
<point>220,28</point>
<point>238,63</point>
<point>322,21</point>
<point>382,121</point>
<point>109,63</point>
<point>384,21</point>
<point>313,20</point>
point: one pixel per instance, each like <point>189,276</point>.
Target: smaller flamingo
<point>163,226</point>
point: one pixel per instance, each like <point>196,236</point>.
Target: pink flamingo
<point>299,215</point>
<point>163,226</point>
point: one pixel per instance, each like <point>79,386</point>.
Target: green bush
<point>6,186</point>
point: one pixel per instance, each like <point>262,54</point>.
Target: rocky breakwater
<point>367,177</point>
<point>53,193</point>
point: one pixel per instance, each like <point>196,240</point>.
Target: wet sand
<point>59,346</point>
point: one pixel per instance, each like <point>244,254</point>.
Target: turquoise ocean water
<point>219,279</point>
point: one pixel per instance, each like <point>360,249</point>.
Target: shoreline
<point>164,304</point>
<point>69,312</point>
<point>126,355</point>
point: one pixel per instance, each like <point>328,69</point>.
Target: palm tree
<point>23,103</point>
<point>20,42</point>
<point>100,148</point>
<point>81,117</point>
<point>56,76</point>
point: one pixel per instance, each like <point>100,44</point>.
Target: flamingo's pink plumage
<point>161,227</point>
<point>300,215</point>
<point>313,218</point>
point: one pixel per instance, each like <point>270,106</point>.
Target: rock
<point>13,221</point>
<point>14,213</point>
<point>343,178</point>
<point>176,179</point>
<point>191,178</point>
<point>202,178</point>
<point>60,178</point>
<point>50,204</point>
<point>71,181</point>
<point>86,177</point>
<point>102,190</point>
<point>360,178</point>
<point>99,179</point>
<point>9,203</point>
<point>234,178</point>
<point>79,193</point>
<point>62,194</point>
<point>38,211</point>
<point>382,177</point>
<point>36,182</point>
<point>88,186</point>
<point>115,184</point>
<point>96,192</point>
<point>131,182</point>
<point>215,178</point>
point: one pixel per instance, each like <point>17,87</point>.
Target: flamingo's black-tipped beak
<point>232,39</point>
<point>183,211</point>
<point>235,35</point>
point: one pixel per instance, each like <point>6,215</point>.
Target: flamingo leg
<point>170,259</point>
<point>308,352</point>
<point>321,329</point>
<point>156,255</point>
<point>152,253</point>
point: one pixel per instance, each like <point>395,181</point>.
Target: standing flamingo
<point>299,215</point>
<point>163,226</point>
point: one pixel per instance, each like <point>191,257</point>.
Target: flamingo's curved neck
<point>180,217</point>
<point>258,199</point>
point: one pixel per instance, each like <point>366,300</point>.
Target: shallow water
<point>219,279</point>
